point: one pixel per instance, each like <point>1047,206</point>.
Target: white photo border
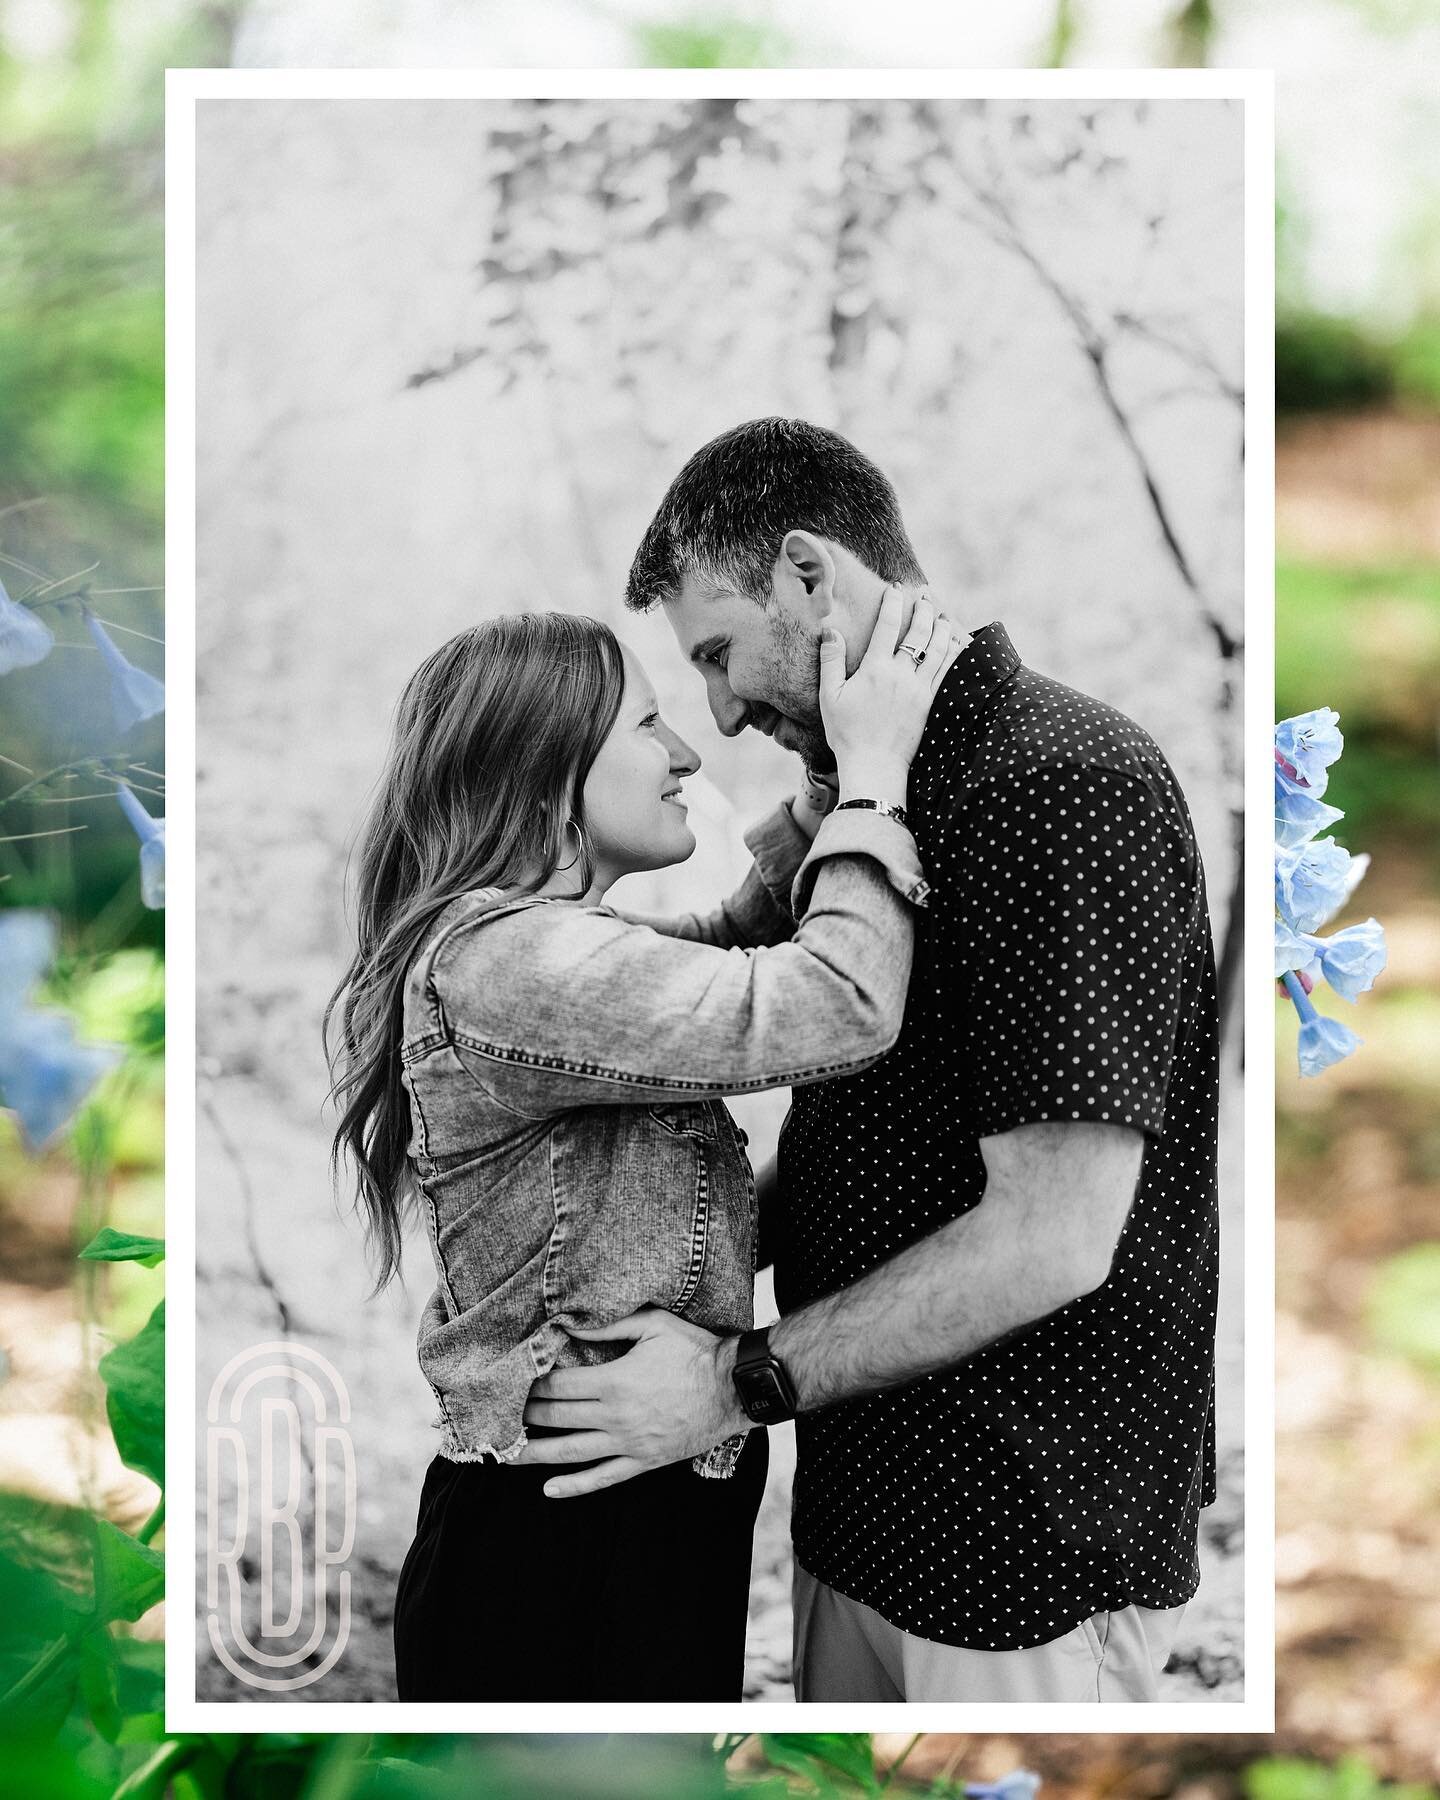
<point>1255,90</point>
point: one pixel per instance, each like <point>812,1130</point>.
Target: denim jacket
<point>565,1065</point>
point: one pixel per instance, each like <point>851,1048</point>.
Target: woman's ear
<point>805,573</point>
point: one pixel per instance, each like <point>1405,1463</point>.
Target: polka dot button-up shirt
<point>1063,971</point>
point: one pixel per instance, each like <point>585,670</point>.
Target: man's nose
<point>684,760</point>
<point>729,712</point>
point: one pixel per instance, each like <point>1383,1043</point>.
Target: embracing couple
<point>976,947</point>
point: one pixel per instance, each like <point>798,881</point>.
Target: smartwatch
<point>762,1380</point>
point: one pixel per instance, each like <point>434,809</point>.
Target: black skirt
<point>636,1593</point>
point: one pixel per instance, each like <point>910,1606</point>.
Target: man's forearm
<point>1029,1248</point>
<point>1055,1203</point>
<point>916,1313</point>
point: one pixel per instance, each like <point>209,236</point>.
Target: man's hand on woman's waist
<point>670,1396</point>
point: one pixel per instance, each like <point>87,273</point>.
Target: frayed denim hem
<point>453,1451</point>
<point>719,1462</point>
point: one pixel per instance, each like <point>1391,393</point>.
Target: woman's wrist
<point>875,778</point>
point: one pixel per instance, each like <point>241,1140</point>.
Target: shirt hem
<point>1025,1643</point>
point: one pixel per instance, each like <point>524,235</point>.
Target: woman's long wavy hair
<point>493,738</point>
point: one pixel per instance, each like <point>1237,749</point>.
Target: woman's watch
<point>762,1380</point>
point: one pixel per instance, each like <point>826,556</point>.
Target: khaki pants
<point>846,1651</point>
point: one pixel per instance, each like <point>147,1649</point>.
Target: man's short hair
<point>725,515</point>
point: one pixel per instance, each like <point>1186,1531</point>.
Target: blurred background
<point>1358,365</point>
<point>449,358</point>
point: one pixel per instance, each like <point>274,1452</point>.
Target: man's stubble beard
<point>797,678</point>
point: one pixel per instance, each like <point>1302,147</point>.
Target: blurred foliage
<point>416,1766</point>
<point>81,331</point>
<point>1292,1778</point>
<point>1417,363</point>
<point>82,396</point>
<point>710,41</point>
<point>1404,1306</point>
<point>1325,364</point>
<point>1367,642</point>
<point>71,1583</point>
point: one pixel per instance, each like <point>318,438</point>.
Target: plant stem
<point>153,1523</point>
<point>153,1777</point>
<point>899,1761</point>
<point>84,762</point>
<point>38,1672</point>
<point>1303,1003</point>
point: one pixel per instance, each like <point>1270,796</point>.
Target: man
<point>996,1250</point>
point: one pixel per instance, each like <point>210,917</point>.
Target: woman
<point>542,1077</point>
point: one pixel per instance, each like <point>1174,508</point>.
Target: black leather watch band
<point>762,1380</point>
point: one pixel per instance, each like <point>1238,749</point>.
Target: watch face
<point>764,1395</point>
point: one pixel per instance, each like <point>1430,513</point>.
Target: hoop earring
<point>581,856</point>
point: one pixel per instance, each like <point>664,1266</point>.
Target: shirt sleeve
<point>555,1006</point>
<point>758,912</point>
<point>854,828</point>
<point>1075,896</point>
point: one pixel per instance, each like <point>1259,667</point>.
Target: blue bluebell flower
<point>1019,1784</point>
<point>1352,959</point>
<point>45,1073</point>
<point>151,833</point>
<point>1309,743</point>
<point>1359,863</point>
<point>1298,814</point>
<point>1293,950</point>
<point>1311,883</point>
<point>134,694</point>
<point>25,639</point>
<point>1323,1042</point>
<point>28,942</point>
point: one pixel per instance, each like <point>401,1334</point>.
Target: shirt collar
<point>985,664</point>
<point>987,660</point>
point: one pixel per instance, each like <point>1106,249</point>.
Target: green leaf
<point>49,1537</point>
<point>110,1245</point>
<point>819,1753</point>
<point>1404,1306</point>
<point>140,1727</point>
<point>129,1575</point>
<point>37,1697</point>
<point>43,1553</point>
<point>51,1770</point>
<point>134,1377</point>
<point>140,1687</point>
<point>97,1684</point>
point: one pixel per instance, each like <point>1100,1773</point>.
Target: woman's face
<point>634,812</point>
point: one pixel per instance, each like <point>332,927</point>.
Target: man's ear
<point>805,573</point>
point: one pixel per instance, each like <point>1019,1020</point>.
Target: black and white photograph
<point>720,635</point>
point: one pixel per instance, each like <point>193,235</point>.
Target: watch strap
<point>885,807</point>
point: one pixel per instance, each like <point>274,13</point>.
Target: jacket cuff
<point>858,833</point>
<point>778,846</point>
